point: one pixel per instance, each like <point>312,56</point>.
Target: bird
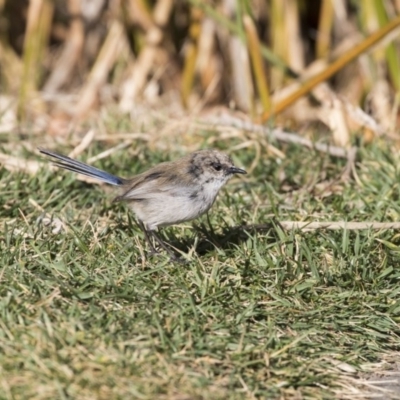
<point>168,193</point>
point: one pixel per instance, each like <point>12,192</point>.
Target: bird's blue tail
<point>82,168</point>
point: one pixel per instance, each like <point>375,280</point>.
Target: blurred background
<point>327,64</point>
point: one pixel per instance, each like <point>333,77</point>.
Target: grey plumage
<point>168,193</point>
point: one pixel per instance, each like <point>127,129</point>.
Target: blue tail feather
<point>82,168</point>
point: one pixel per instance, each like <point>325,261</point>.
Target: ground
<point>87,313</point>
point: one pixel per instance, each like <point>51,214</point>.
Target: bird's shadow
<point>208,239</point>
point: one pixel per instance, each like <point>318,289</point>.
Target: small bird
<point>168,193</point>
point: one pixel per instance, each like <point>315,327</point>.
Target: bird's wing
<point>160,180</point>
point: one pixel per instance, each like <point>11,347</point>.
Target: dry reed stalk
<point>386,62</point>
<point>191,53</point>
<point>71,53</point>
<point>138,13</point>
<point>209,64</point>
<point>337,122</point>
<point>261,81</point>
<point>83,144</point>
<point>40,14</point>
<point>146,59</point>
<point>230,27</point>
<point>391,54</point>
<point>241,79</point>
<point>329,102</point>
<point>362,47</point>
<point>279,41</point>
<point>295,46</point>
<point>115,42</point>
<point>326,18</point>
<point>330,225</point>
<point>11,68</point>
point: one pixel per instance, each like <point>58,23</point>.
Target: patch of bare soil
<point>385,384</point>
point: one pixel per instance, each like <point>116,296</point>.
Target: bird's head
<point>212,167</point>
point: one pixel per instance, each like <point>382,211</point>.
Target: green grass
<point>86,313</point>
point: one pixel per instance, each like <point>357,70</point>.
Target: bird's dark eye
<point>216,166</point>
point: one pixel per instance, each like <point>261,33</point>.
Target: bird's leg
<point>151,233</point>
<point>163,245</point>
<point>147,237</point>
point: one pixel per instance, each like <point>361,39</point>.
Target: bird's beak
<point>236,170</point>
